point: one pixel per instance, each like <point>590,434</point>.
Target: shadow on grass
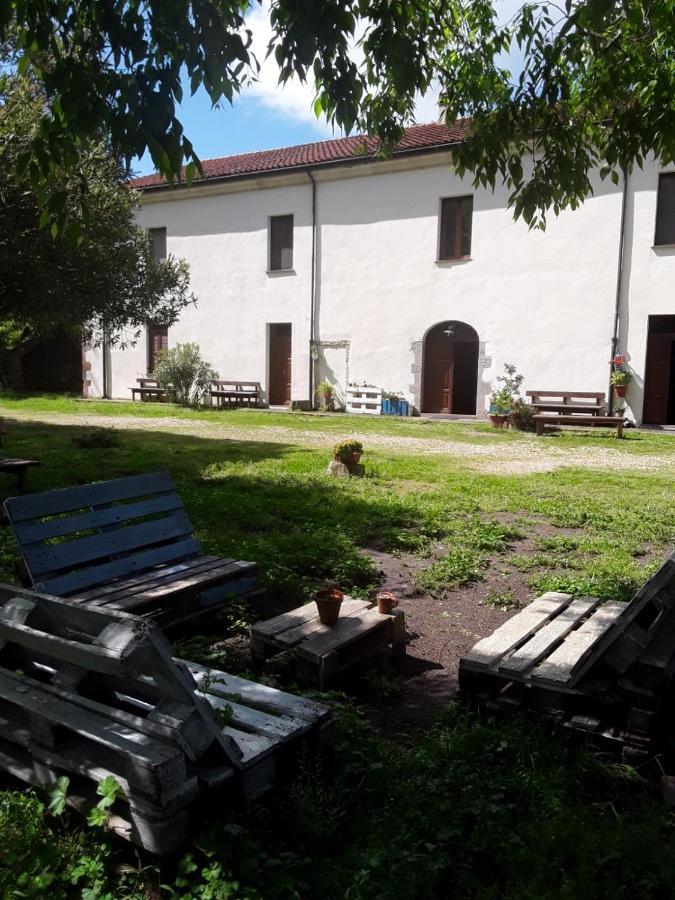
<point>267,502</point>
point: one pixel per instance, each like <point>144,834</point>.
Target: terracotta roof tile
<point>415,138</point>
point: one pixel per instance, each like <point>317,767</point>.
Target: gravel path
<point>522,457</point>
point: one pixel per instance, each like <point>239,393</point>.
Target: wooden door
<point>450,369</point>
<point>439,365</point>
<point>659,380</point>
<point>280,365</point>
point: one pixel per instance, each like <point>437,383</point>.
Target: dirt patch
<point>440,631</point>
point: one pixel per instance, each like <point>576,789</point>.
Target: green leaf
<point>58,795</point>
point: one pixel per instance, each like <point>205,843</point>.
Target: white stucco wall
<point>541,300</point>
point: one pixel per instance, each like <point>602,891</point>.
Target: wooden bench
<point>604,668</point>
<point>125,544</point>
<point>236,393</point>
<point>19,468</point>
<point>325,651</point>
<point>89,693</point>
<point>149,391</point>
<point>588,402</point>
<point>541,420</point>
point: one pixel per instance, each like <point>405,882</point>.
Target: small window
<point>158,242</point>
<point>158,340</point>
<point>665,211</point>
<point>455,231</point>
<point>281,243</point>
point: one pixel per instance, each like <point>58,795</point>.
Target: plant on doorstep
<point>504,399</point>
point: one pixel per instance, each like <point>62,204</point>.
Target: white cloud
<point>292,100</point>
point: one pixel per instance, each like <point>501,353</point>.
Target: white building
<point>318,262</point>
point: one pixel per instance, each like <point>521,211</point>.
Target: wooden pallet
<point>325,651</point>
<point>364,399</point>
<point>600,667</point>
<point>87,693</point>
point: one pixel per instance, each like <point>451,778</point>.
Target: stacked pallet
<point>90,693</point>
<point>602,668</point>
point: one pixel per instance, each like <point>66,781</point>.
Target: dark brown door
<point>450,369</point>
<point>280,365</point>
<point>659,402</point>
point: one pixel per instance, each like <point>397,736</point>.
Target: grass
<point>378,819</point>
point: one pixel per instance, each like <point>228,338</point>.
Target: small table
<point>17,467</point>
<point>327,650</point>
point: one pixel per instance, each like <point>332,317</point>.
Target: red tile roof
<point>417,138</point>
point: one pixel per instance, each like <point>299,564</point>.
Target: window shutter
<point>455,227</point>
<point>281,243</point>
<point>158,340</point>
<point>665,211</point>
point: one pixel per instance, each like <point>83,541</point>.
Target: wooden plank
<point>515,631</point>
<point>31,532</point>
<point>46,558</point>
<point>29,696</point>
<point>276,728</point>
<point>152,576</point>
<point>564,664</point>
<point>530,653</point>
<point>257,696</point>
<point>289,629</point>
<point>192,581</point>
<point>345,632</point>
<point>96,659</point>
<point>71,582</point>
<point>296,635</point>
<point>49,503</point>
<point>64,613</point>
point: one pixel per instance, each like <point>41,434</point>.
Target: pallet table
<point>324,651</point>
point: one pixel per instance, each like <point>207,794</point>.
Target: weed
<point>504,600</point>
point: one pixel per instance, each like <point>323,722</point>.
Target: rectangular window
<point>281,243</point>
<point>158,340</point>
<point>455,228</point>
<point>665,211</point>
<point>158,241</point>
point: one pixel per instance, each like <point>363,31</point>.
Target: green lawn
<point>471,810</point>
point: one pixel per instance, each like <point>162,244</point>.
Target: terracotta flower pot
<point>499,421</point>
<point>386,601</point>
<point>621,390</point>
<point>328,603</point>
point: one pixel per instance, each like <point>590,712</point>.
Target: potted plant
<point>328,602</point>
<point>348,452</point>
<point>504,399</point>
<point>326,392</point>
<point>521,416</point>
<point>620,379</point>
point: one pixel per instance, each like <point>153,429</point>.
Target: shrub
<point>503,399</point>
<point>522,416</point>
<point>184,374</point>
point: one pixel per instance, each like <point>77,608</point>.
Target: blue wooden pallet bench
<point>124,544</point>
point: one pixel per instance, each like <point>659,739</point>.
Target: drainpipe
<point>619,286</point>
<point>312,299</point>
<point>106,365</point>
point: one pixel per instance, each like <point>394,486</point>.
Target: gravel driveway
<point>531,454</point>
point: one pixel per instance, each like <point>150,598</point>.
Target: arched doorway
<point>450,369</point>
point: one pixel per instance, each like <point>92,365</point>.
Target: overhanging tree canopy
<point>593,82</point>
<point>109,281</point>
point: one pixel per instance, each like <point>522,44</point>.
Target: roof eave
<point>285,170</point>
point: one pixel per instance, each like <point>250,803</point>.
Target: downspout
<point>106,365</point>
<point>619,287</point>
<point>312,298</point>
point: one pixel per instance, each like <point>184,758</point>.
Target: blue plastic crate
<point>395,407</point>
